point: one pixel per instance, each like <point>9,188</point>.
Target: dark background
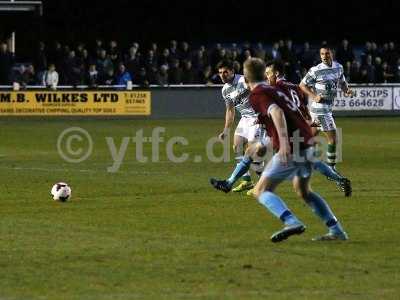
<point>200,22</point>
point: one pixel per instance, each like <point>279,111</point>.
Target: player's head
<point>226,70</point>
<point>274,70</point>
<point>254,70</point>
<point>326,54</point>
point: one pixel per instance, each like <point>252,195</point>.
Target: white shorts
<point>250,130</point>
<point>277,171</point>
<point>325,122</point>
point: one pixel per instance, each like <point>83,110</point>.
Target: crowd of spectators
<point>182,63</point>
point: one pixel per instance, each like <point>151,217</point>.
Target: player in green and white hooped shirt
<point>248,131</point>
<point>320,85</point>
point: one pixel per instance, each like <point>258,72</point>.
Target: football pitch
<point>157,230</point>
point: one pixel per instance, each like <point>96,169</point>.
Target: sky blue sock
<point>241,168</point>
<point>278,208</point>
<point>327,171</point>
<point>322,210</point>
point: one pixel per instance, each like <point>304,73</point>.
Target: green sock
<point>331,155</point>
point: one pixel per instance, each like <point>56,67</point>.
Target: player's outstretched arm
<point>229,118</point>
<point>278,117</point>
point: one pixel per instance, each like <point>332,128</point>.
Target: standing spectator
<point>104,63</point>
<point>367,51</point>
<point>123,75</point>
<point>175,73</point>
<point>378,70</point>
<point>347,70</point>
<point>260,51</point>
<point>388,75</point>
<point>275,52</point>
<point>246,55</point>
<point>184,53</point>
<point>6,63</point>
<point>150,60</point>
<point>368,70</point>
<point>164,59</point>
<point>345,53</point>
<point>29,76</point>
<point>355,72</point>
<point>162,76</point>
<point>72,70</point>
<point>98,47</point>
<point>142,78</point>
<point>40,60</point>
<point>397,71</point>
<point>154,48</point>
<point>108,78</point>
<point>307,57</point>
<point>115,54</point>
<point>50,77</point>
<point>206,75</point>
<point>92,76</point>
<point>189,76</point>
<point>173,50</point>
<point>199,60</point>
<point>133,62</point>
<point>216,54</point>
<point>17,76</point>
<point>392,55</point>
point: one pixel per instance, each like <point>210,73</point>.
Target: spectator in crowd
<point>17,76</point>
<point>108,78</point>
<point>73,70</point>
<point>6,63</point>
<point>368,70</point>
<point>98,47</point>
<point>154,48</point>
<point>184,53</point>
<point>115,54</point>
<point>275,52</point>
<point>189,76</point>
<point>173,50</point>
<point>162,76</point>
<point>392,55</point>
<point>367,51</point>
<point>133,61</point>
<point>141,78</point>
<point>50,77</point>
<point>306,56</point>
<point>123,76</point>
<point>175,73</point>
<point>259,51</point>
<point>164,59</point>
<point>29,75</point>
<point>397,71</point>
<point>355,72</point>
<point>378,70</point>
<point>388,75</point>
<point>345,53</point>
<point>216,54</point>
<point>104,63</point>
<point>92,76</point>
<point>205,75</point>
<point>150,60</point>
<point>40,59</point>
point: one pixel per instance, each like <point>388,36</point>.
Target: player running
<point>274,74</point>
<point>236,96</point>
<point>320,85</point>
<point>282,120</point>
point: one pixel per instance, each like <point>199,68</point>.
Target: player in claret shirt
<point>293,159</point>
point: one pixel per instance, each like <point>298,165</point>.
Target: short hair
<point>325,46</point>
<point>255,68</point>
<point>277,65</point>
<point>227,64</point>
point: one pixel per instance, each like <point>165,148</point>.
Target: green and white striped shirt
<point>325,81</point>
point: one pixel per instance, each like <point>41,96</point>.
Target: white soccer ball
<point>61,192</point>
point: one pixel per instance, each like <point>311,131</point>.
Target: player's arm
<point>278,117</point>
<point>344,86</point>
<point>309,80</point>
<point>229,119</point>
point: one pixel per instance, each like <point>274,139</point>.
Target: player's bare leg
<point>320,208</point>
<point>239,147</point>
<point>254,151</point>
<point>264,192</point>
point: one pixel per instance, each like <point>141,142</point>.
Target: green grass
<point>159,231</point>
